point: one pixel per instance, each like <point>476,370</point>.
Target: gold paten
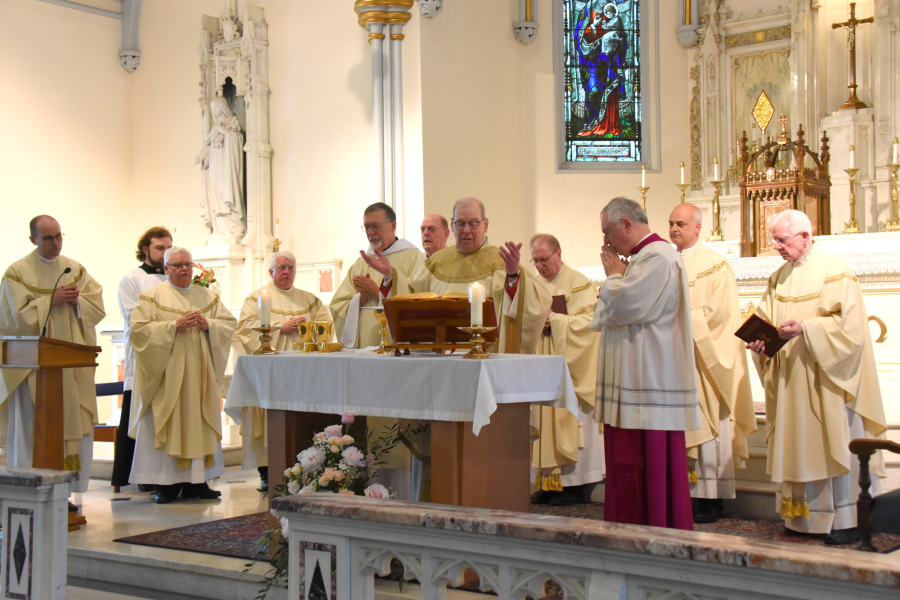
<point>762,111</point>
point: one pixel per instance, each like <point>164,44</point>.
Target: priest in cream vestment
<point>354,326</point>
<point>567,454</point>
<point>520,302</point>
<point>290,307</point>
<point>181,334</point>
<point>74,312</point>
<point>723,377</point>
<point>821,388</point>
<point>646,387</point>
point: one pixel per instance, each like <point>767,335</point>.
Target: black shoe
<point>842,537</point>
<point>542,497</point>
<point>263,479</point>
<point>567,497</point>
<point>146,487</point>
<point>167,493</point>
<point>72,507</point>
<point>199,490</point>
<point>706,510</point>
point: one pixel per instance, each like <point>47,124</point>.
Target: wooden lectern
<point>48,357</point>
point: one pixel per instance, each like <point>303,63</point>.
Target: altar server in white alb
<point>290,308</point>
<point>646,388</point>
<point>354,327</point>
<point>151,249</point>
<point>74,311</point>
<point>723,377</point>
<point>567,454</point>
<point>821,388</point>
<point>181,335</point>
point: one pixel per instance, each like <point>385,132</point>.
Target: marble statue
<point>222,163</point>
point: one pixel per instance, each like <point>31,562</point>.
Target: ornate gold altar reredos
<point>780,175</point>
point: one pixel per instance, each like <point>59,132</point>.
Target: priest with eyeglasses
<point>290,307</point>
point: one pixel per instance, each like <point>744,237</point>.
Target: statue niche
<point>781,175</point>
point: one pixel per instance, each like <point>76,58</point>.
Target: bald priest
<point>181,334</point>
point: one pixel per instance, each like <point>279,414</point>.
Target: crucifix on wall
<point>851,25</point>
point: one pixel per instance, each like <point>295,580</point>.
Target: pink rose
<point>376,490</point>
<point>307,489</point>
<point>347,417</point>
<point>354,457</point>
<point>334,431</point>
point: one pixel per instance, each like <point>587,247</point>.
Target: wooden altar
<point>800,182</point>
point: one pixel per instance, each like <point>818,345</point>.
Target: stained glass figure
<point>602,96</point>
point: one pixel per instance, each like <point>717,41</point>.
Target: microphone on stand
<point>44,330</point>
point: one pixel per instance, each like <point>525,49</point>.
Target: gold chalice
<point>323,333</point>
<point>381,318</point>
<point>307,333</point>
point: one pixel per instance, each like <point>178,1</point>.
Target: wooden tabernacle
<point>431,322</point>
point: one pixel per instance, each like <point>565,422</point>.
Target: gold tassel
<point>210,462</point>
<point>537,480</point>
<point>556,483</point>
<point>72,463</point>
<point>786,508</point>
<point>692,476</point>
<point>184,463</point>
<point>804,512</point>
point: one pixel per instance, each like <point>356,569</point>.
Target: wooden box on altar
<point>418,321</point>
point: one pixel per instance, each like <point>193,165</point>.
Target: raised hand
<point>612,264</point>
<point>379,262</point>
<point>509,253</point>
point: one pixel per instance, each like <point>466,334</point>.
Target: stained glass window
<point>602,79</point>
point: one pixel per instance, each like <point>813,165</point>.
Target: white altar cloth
<point>418,386</point>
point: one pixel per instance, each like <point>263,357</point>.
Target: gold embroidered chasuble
<point>450,272</point>
<point>570,336</point>
<point>286,305</point>
<point>407,262</point>
<point>25,292</point>
<point>178,375</point>
<point>723,375</point>
<point>816,376</point>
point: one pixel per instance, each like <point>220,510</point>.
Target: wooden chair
<point>108,433</point>
<point>879,515</point>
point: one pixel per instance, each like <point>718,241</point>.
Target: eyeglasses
<point>473,225</point>
<point>180,266</point>
<point>541,261</point>
<point>51,238</point>
<point>283,268</point>
<point>784,242</point>
<point>374,226</point>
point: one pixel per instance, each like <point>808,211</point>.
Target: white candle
<point>476,301</point>
<point>643,175</point>
<point>731,157</point>
<point>852,157</point>
<point>264,302</point>
<point>895,159</point>
<point>682,172</point>
<point>276,228</point>
<point>716,169</point>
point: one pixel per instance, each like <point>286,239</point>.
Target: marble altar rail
<point>340,542</point>
<point>35,527</point>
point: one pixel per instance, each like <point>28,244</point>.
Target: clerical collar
<point>688,252</point>
<point>151,270</point>
<point>645,241</point>
<point>800,261</point>
<point>179,288</point>
<point>48,260</point>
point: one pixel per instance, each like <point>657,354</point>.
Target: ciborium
<point>477,341</point>
<point>307,333</point>
<point>323,333</point>
<point>265,340</point>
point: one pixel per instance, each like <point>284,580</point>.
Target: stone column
<point>35,533</point>
<point>383,18</point>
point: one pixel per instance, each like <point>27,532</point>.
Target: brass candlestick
<point>643,191</point>
<point>893,223</point>
<point>477,341</point>
<point>683,187</point>
<point>265,340</point>
<point>716,234</point>
<point>852,226</point>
